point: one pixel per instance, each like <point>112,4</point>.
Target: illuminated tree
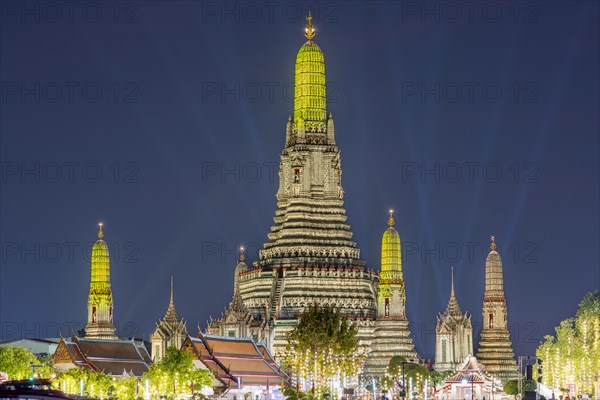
<point>393,372</point>
<point>412,372</point>
<point>417,374</point>
<point>572,356</point>
<point>438,377</point>
<point>175,375</point>
<point>94,384</point>
<point>512,387</point>
<point>291,393</point>
<point>322,345</point>
<point>127,388</point>
<point>17,361</point>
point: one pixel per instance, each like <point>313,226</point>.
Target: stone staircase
<point>276,296</point>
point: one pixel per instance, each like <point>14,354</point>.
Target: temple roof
<point>471,364</point>
<point>452,316</point>
<point>453,308</point>
<point>231,359</point>
<point>470,371</point>
<point>114,357</point>
<point>171,317</point>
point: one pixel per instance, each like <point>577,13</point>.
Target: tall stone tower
<point>100,301</point>
<point>170,331</point>
<point>309,257</point>
<point>391,336</point>
<point>453,335</point>
<point>495,348</point>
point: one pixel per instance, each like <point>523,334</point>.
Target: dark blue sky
<point>165,120</point>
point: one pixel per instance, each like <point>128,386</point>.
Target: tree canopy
<point>572,356</point>
<point>322,345</point>
<point>512,386</point>
<point>415,373</point>
<point>175,375</point>
<point>17,362</point>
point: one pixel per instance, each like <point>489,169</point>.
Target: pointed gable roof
<point>452,316</point>
<point>171,323</point>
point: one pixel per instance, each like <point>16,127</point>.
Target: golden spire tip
<point>452,288</point>
<point>493,245</point>
<point>391,220</point>
<point>242,253</point>
<point>309,31</point>
<point>100,233</point>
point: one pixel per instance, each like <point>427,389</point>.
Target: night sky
<point>165,120</point>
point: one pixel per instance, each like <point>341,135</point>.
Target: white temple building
<point>453,335</point>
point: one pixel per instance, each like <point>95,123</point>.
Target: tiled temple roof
<point>231,359</point>
<point>113,357</point>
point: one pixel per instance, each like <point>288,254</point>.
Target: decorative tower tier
<point>391,336</point>
<point>309,257</point>
<point>100,301</point>
<point>453,335</point>
<point>495,347</point>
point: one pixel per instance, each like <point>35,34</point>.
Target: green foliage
<point>590,305</point>
<point>95,384</point>
<point>45,367</point>
<point>416,371</point>
<point>322,345</point>
<point>125,388</point>
<point>418,374</point>
<point>291,393</point>
<point>437,377</point>
<point>175,375</point>
<point>15,361</point>
<point>395,366</point>
<point>511,387</point>
<point>573,354</point>
<point>172,377</point>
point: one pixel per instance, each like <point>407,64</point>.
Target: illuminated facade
<point>100,300</point>
<point>495,347</point>
<point>391,335</point>
<point>453,335</point>
<point>471,381</point>
<point>309,257</point>
<point>170,331</point>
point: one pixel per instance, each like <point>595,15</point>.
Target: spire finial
<point>171,302</point>
<point>391,220</point>
<point>309,31</point>
<point>242,253</point>
<point>452,290</point>
<point>100,233</point>
<point>493,245</point>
